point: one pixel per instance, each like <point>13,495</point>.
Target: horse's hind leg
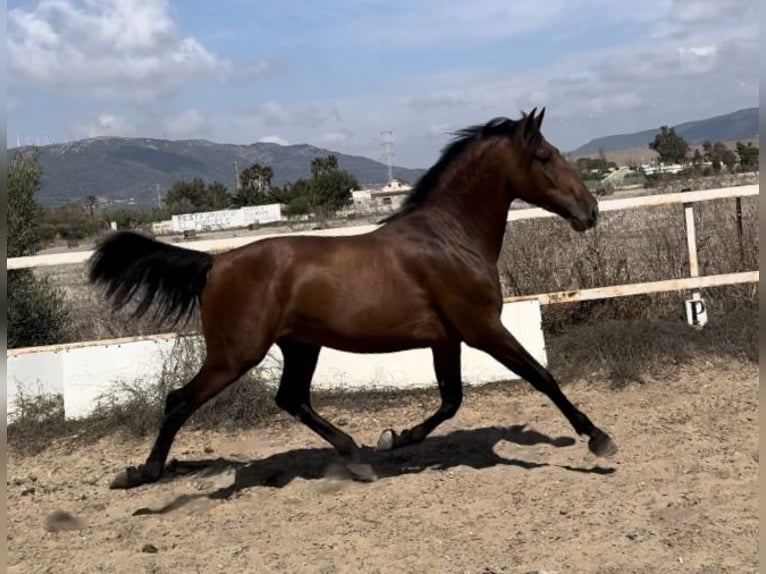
<point>447,367</point>
<point>294,397</point>
<point>179,406</point>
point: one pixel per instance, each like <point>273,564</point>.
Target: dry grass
<point>631,336</point>
<point>136,407</point>
<point>632,247</point>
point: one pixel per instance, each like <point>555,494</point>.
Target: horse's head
<point>543,177</point>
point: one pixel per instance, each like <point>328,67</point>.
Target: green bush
<point>37,311</point>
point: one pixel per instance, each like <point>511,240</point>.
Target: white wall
<point>162,227</point>
<point>82,372</point>
<point>227,218</point>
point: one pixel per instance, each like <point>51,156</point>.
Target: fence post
<point>740,234</point>
<point>695,308</point>
<point>691,239</point>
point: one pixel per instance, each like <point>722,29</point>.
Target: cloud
<point>689,18</point>
<point>273,114</point>
<point>187,124</point>
<point>334,138</point>
<point>106,124</point>
<point>418,23</point>
<point>430,23</point>
<point>438,100</point>
<point>257,69</point>
<point>587,95</point>
<point>678,60</point>
<point>273,139</point>
<point>699,11</point>
<point>129,50</point>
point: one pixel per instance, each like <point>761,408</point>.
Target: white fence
<point>83,371</point>
<point>214,245</point>
<point>411,368</point>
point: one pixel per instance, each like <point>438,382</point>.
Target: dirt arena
<point>505,487</point>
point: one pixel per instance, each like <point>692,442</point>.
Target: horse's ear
<point>539,118</point>
<point>530,124</point>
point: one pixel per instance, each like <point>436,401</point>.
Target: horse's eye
<point>543,155</point>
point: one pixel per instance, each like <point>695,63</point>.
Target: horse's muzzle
<point>585,220</point>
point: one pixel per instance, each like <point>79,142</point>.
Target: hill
<point>128,170</point>
<point>739,125</point>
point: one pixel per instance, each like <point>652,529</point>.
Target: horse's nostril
<point>594,212</point>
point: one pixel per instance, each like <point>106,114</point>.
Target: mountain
<point>128,170</point>
<point>739,125</point>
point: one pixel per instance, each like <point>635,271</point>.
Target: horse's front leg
<point>492,337</point>
<point>446,358</point>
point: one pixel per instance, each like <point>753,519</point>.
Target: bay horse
<point>427,277</point>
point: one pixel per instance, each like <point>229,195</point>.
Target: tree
<point>255,186</point>
<point>707,150</point>
<point>186,196</point>
<point>24,175</point>
<point>328,189</point>
<point>90,203</point>
<point>719,155</point>
<point>193,196</point>
<point>670,147</point>
<point>218,196</point>
<point>331,190</point>
<point>728,158</point>
<point>37,310</point>
<point>257,178</point>
<point>324,164</point>
<point>298,206</point>
<point>748,156</point>
<point>295,196</point>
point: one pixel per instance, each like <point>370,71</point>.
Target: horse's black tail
<point>126,263</point>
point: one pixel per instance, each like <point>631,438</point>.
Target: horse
<point>425,277</point>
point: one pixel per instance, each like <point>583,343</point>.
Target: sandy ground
<point>484,495</point>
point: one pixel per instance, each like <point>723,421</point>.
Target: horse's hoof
<point>361,472</point>
<point>601,445</point>
<point>131,477</point>
<point>386,440</point>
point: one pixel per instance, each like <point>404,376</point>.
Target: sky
<point>336,74</point>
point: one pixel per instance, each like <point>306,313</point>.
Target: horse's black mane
<point>500,126</point>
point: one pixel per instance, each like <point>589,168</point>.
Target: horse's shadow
<point>473,448</point>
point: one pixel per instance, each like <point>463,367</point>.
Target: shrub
<point>37,311</point>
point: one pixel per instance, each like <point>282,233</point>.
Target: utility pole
<point>236,176</point>
<point>388,152</point>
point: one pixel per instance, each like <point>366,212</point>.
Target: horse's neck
<point>475,200</point>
